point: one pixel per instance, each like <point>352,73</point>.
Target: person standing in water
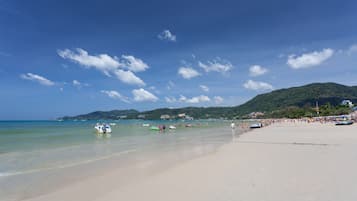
<point>233,125</point>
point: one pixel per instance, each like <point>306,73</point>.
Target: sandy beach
<point>285,161</point>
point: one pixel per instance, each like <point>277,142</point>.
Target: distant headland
<point>316,99</point>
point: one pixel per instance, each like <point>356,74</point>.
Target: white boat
<point>256,125</point>
<point>146,125</point>
<point>172,127</point>
<point>112,124</point>
<point>103,128</point>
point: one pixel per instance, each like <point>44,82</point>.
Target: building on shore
<point>347,103</point>
<point>255,115</point>
<point>165,117</point>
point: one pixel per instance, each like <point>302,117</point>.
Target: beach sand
<point>285,161</point>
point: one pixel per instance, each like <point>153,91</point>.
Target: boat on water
<point>154,128</point>
<point>256,125</point>
<point>145,125</point>
<point>103,128</point>
<point>343,123</point>
<point>172,127</point>
<point>343,120</point>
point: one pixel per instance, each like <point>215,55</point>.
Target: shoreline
<point>129,167</point>
<point>290,164</point>
<point>272,148</point>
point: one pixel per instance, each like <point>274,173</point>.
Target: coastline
<point>131,155</point>
<point>284,161</point>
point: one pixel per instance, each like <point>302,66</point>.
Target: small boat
<point>172,127</point>
<point>146,125</point>
<point>112,124</point>
<point>256,125</point>
<point>103,128</point>
<point>154,128</point>
<point>342,123</point>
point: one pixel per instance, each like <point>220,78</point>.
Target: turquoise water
<point>39,152</point>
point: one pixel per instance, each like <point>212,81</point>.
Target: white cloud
<point>102,62</point>
<point>108,65</point>
<point>128,77</point>
<point>309,59</point>
<point>170,99</point>
<point>115,95</point>
<point>78,84</point>
<point>187,72</point>
<point>218,99</point>
<point>257,70</point>
<point>37,78</point>
<point>134,64</point>
<point>193,100</point>
<point>255,85</point>
<point>141,95</point>
<point>204,88</point>
<point>167,35</point>
<point>196,99</point>
<point>217,66</point>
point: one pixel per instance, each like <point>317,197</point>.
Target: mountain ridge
<point>271,103</point>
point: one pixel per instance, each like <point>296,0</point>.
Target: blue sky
<point>71,57</point>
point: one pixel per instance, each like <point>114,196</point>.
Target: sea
<point>37,157</point>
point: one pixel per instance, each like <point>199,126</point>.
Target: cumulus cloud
<point>134,64</point>
<point>167,35</point>
<point>204,88</point>
<point>218,99</point>
<point>37,78</point>
<point>309,59</point>
<point>108,65</point>
<point>141,95</point>
<point>115,95</point>
<point>216,66</point>
<point>187,72</point>
<point>257,70</point>
<point>196,99</point>
<point>193,100</point>
<point>102,62</point>
<point>128,77</point>
<point>255,85</point>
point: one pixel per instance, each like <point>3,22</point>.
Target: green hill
<point>195,112</point>
<point>291,102</point>
<point>304,96</point>
<point>114,114</point>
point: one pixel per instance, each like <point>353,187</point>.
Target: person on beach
<point>233,125</point>
<point>162,128</point>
